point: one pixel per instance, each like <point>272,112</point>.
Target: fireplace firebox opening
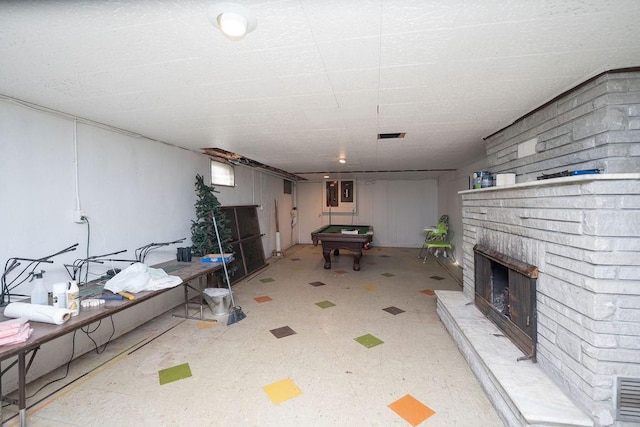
<point>500,288</point>
<point>505,292</point>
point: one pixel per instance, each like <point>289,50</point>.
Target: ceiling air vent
<point>628,399</point>
<point>391,135</point>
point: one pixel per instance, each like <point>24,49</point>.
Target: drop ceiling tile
<point>493,11</point>
<point>304,84</point>
<point>361,79</point>
<point>360,116</point>
<point>408,76</point>
<point>324,135</point>
<point>357,124</point>
<point>388,110</point>
<point>280,23</point>
<point>357,99</point>
<point>401,16</point>
<point>406,95</point>
<point>415,48</point>
<point>242,90</point>
<point>313,101</point>
<point>351,54</point>
<point>290,60</point>
<point>337,20</point>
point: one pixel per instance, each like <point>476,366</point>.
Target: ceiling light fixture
<point>233,20</point>
<point>342,161</point>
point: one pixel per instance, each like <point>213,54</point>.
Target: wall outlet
<point>78,216</point>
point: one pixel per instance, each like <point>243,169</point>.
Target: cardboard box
<point>217,258</point>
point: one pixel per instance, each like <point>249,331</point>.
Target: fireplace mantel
<point>565,180</point>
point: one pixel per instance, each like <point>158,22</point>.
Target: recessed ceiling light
<point>342,161</point>
<point>326,177</point>
<point>233,20</point>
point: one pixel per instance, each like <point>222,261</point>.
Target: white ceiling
<point>318,79</point>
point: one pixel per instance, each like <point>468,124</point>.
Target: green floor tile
<point>267,280</point>
<point>369,340</point>
<point>325,304</point>
<point>174,373</point>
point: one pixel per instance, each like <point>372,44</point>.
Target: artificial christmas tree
<point>203,233</point>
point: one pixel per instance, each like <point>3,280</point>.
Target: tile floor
<point>318,348</point>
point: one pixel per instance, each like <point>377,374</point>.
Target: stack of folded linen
<point>15,331</point>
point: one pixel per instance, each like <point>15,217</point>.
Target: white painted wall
<point>134,191</point>
<point>398,210</point>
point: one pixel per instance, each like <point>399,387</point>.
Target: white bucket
<point>218,299</point>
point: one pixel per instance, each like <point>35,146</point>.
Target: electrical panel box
<point>339,196</point>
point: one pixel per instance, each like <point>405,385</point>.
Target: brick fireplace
<point>583,235</point>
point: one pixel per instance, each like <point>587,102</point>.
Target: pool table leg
<point>327,258</point>
<point>356,260</point>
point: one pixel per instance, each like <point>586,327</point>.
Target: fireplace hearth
<point>505,292</point>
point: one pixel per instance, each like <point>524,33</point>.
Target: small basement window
<point>222,174</point>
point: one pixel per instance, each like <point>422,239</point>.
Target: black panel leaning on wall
<point>247,240</point>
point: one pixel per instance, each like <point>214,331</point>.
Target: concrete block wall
<point>583,234</point>
<point>594,126</point>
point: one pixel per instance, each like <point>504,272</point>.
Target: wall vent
<point>391,135</point>
<point>628,399</point>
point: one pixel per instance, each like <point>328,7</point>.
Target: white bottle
<point>73,298</point>
<point>39,294</point>
<point>59,291</point>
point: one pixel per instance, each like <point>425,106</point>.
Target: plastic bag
<point>139,277</point>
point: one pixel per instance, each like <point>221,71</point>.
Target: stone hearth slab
<point>521,392</point>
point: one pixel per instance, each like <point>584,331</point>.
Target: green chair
<point>436,242</point>
<point>432,233</point>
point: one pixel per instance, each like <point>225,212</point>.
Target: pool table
<point>336,237</point>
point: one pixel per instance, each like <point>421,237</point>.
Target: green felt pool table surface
<point>333,238</point>
<point>362,229</point>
